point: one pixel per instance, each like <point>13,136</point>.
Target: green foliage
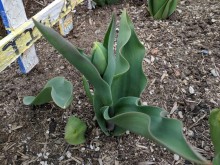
<point>214,122</point>
<point>57,89</point>
<point>104,2</point>
<point>162,9</point>
<point>216,160</point>
<point>118,82</point>
<point>75,131</point>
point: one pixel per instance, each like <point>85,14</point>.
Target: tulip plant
<point>118,81</point>
<point>214,122</point>
<point>162,9</point>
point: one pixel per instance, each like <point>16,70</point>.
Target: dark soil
<point>182,64</point>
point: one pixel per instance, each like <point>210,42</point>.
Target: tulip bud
<point>99,57</point>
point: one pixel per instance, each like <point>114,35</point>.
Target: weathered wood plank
<point>25,35</point>
<point>15,16</point>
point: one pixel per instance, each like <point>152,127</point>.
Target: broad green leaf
<point>109,45</point>
<point>150,122</point>
<point>161,9</point>
<point>129,79</point>
<point>214,122</point>
<point>57,89</point>
<point>216,160</point>
<point>108,75</point>
<point>172,6</point>
<point>82,63</point>
<point>124,35</point>
<point>75,131</point>
<point>155,5</point>
<point>97,105</point>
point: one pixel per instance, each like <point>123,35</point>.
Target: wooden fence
<point>22,34</point>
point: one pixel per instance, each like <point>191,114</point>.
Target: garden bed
<point>182,64</point>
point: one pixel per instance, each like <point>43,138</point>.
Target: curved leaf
<point>214,122</point>
<point>216,160</point>
<point>75,131</point>
<point>57,89</point>
<point>87,90</point>
<point>155,5</point>
<point>129,56</point>
<point>150,122</point>
<point>161,9</point>
<point>109,45</point>
<point>108,75</point>
<point>82,63</point>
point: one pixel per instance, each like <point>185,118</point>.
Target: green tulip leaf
<point>150,122</point>
<point>109,45</point>
<point>129,56</point>
<point>162,9</point>
<point>87,90</point>
<point>214,122</point>
<point>216,160</point>
<point>57,89</point>
<point>108,75</point>
<point>75,131</point>
<point>79,60</point>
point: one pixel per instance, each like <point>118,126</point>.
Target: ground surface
<point>182,65</point>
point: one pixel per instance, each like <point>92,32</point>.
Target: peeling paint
<point>22,38</point>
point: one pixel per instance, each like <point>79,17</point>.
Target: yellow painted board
<point>25,35</point>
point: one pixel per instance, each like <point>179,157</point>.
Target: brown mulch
<point>182,64</point>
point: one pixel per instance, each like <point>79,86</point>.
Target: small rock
<point>39,155</point>
<point>43,162</point>
<point>151,149</point>
<point>215,72</point>
<point>97,148</point>
<point>91,146</point>
<point>205,52</point>
<point>180,113</point>
<point>152,59</point>
<point>45,157</point>
<point>97,31</point>
<point>83,149</point>
<point>191,90</point>
<point>176,157</point>
<point>147,60</point>
<point>154,51</point>
<point>213,20</point>
<point>61,158</point>
<point>68,154</point>
<point>62,67</point>
<point>207,148</point>
<point>190,133</point>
